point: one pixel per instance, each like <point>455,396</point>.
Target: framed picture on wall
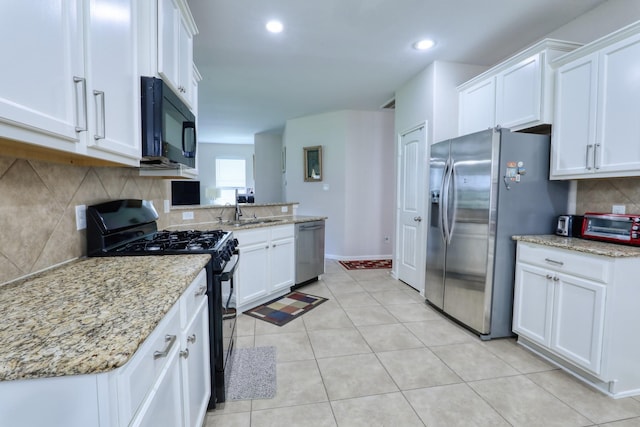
<point>313,163</point>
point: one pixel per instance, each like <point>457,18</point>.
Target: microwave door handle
<point>185,126</point>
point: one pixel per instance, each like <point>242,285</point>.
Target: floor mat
<point>252,374</point>
<point>284,309</point>
<point>366,264</point>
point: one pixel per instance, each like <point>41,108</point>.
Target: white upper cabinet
<point>41,89</point>
<point>477,106</point>
<point>70,85</point>
<point>113,84</point>
<point>596,132</point>
<point>176,29</point>
<point>516,94</point>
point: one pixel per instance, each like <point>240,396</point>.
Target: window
<point>230,174</point>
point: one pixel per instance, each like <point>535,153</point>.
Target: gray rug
<point>252,374</point>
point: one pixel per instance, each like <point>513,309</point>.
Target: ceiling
<point>344,54</point>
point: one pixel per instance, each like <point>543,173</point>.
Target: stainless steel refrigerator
<point>484,188</point>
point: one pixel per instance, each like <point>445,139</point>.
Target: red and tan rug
<point>366,264</point>
<point>284,309</point>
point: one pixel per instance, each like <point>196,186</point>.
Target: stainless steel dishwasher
<point>309,251</point>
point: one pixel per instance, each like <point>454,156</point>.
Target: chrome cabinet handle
<point>83,96</point>
<point>417,218</point>
<point>201,291</point>
<point>589,147</point>
<point>170,340</point>
<point>556,278</point>
<point>595,157</point>
<point>552,261</point>
<point>184,353</point>
<point>100,115</point>
<point>191,338</point>
<point>549,276</point>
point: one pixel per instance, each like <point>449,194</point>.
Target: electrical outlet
<point>284,209</point>
<point>618,209</point>
<point>81,217</point>
<point>187,215</point>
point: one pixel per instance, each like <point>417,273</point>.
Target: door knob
<point>417,218</point>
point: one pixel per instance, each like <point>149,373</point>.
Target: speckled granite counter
<point>88,316</point>
<point>582,245</point>
<point>248,223</point>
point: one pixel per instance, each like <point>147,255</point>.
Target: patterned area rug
<point>252,374</point>
<point>366,264</point>
<point>284,309</point>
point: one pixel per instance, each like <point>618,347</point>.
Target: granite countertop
<point>582,245</point>
<point>88,316</point>
<point>248,223</point>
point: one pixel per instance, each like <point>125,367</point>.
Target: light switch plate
<point>618,209</point>
<point>187,215</point>
<point>167,206</point>
<point>81,217</point>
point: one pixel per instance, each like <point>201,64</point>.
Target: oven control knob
<point>634,235</point>
<point>635,228</point>
<point>636,219</point>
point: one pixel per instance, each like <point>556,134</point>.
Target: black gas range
<point>128,228</point>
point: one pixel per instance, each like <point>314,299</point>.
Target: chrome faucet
<point>238,211</point>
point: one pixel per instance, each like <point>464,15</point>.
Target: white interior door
<point>412,170</point>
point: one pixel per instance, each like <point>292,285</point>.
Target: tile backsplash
<point>37,209</point>
<point>598,195</point>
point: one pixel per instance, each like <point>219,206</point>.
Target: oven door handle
<point>230,268</point>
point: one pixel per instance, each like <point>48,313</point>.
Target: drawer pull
<point>184,353</point>
<point>170,340</point>
<point>552,261</point>
<point>191,338</point>
<point>201,291</point>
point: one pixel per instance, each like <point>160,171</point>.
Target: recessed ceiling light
<point>424,44</point>
<point>274,26</point>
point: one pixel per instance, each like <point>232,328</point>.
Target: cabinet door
<point>185,61</point>
<point>252,273</point>
<point>519,93</point>
<point>168,24</point>
<point>618,139</point>
<point>578,321</point>
<point>163,406</point>
<point>196,383</point>
<point>477,107</point>
<point>574,124</point>
<point>114,94</point>
<point>533,303</point>
<point>282,256</point>
<point>42,51</point>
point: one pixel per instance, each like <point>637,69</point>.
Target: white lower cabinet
<point>166,383</point>
<point>267,267</point>
<point>573,308</point>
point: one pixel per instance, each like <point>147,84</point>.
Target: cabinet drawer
<point>575,263</point>
<point>140,373</point>
<point>192,297</point>
<point>251,237</point>
<point>282,232</point>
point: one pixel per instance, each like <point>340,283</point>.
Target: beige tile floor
<point>376,355</point>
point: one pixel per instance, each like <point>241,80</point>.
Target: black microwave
<point>168,127</point>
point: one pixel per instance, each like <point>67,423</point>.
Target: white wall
<point>357,149</point>
<point>207,163</point>
<point>599,22</point>
<point>431,96</point>
<point>269,177</point>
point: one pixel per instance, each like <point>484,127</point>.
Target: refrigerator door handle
<point>451,193</point>
<point>444,204</point>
